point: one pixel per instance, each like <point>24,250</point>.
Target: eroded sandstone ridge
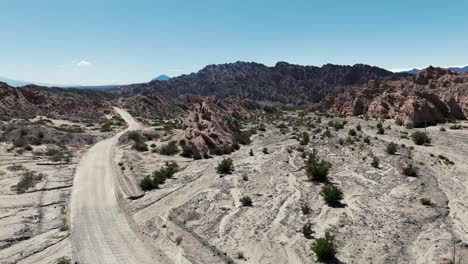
<point>435,95</point>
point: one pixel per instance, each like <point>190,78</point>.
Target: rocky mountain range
<point>284,83</point>
<point>434,95</point>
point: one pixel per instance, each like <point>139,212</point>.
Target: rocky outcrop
<point>432,96</point>
<point>31,101</point>
<point>211,121</point>
<point>284,83</point>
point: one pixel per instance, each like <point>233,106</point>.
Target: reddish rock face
<point>211,121</point>
<point>430,97</point>
<point>30,101</point>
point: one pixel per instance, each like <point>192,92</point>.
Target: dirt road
<point>100,232</point>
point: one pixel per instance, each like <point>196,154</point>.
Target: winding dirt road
<point>100,232</point>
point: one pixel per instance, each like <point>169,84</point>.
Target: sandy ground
<point>382,220</point>
<point>34,226</point>
<point>99,230</point>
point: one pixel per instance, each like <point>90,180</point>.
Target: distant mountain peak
<point>161,77</point>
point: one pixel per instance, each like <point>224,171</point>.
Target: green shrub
<point>178,240</point>
<point>63,260</point>
<point>331,194</point>
<point>140,146</point>
<point>147,184</point>
<point>251,152</point>
<point>425,201</point>
<point>380,130</point>
<point>420,138</point>
<point>324,247</point>
<point>391,148</point>
<point>107,127</point>
<point>28,148</point>
<point>358,127</point>
<point>19,143</point>
<point>240,255</point>
<point>169,149</point>
<point>367,140</point>
<point>442,129</point>
<point>265,151</point>
<point>246,201</point>
<point>375,162</point>
<point>28,180</point>
<point>317,170</point>
<point>242,137</point>
<point>305,209</point>
<point>226,166</point>
<point>307,230</point>
<point>305,139</point>
<point>352,132</point>
<point>410,170</point>
<point>455,127</point>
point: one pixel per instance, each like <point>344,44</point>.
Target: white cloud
<point>83,63</point>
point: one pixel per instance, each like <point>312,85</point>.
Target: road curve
<point>100,232</point>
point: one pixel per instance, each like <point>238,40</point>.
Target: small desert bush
<point>169,149</point>
<point>375,162</point>
<point>358,127</point>
<point>366,140</point>
<point>331,194</point>
<point>352,132</point>
<point>442,129</point>
<point>410,170</point>
<point>265,150</point>
<point>140,146</point>
<point>425,201</point>
<point>305,209</point>
<point>63,260</point>
<point>420,138</point>
<point>455,127</point>
<point>226,166</point>
<point>305,139</point>
<point>316,169</point>
<point>307,230</point>
<point>159,176</point>
<point>242,137</point>
<point>240,255</point>
<point>246,201</point>
<point>391,148</point>
<point>107,127</point>
<point>28,180</point>
<point>380,130</point>
<point>251,152</point>
<point>324,247</point>
<point>178,240</point>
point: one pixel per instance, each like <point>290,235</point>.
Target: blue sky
<point>108,42</point>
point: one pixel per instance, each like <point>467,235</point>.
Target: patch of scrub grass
<point>28,180</point>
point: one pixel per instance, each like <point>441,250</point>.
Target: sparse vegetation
<point>331,194</point>
<point>226,166</point>
<point>63,260</point>
<point>140,146</point>
<point>380,130</point>
<point>425,201</point>
<point>159,176</point>
<point>187,151</point>
<point>420,138</point>
<point>391,148</point>
<point>358,127</point>
<point>316,169</point>
<point>107,127</point>
<point>375,162</point>
<point>456,127</point>
<point>246,201</point>
<point>242,137</point>
<point>178,240</point>
<point>305,209</point>
<point>251,152</point>
<point>307,230</point>
<point>240,255</point>
<point>169,149</point>
<point>305,138</point>
<point>265,150</point>
<point>324,247</point>
<point>352,132</point>
<point>410,170</point>
<point>28,180</point>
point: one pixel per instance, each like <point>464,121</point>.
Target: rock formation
<point>432,96</point>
